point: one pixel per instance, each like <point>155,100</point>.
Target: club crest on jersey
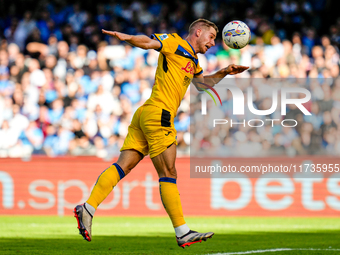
<point>163,37</point>
<point>186,81</point>
<point>188,68</point>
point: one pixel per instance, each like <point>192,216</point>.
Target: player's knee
<point>173,173</point>
<point>168,172</point>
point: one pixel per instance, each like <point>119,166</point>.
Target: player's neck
<point>192,42</point>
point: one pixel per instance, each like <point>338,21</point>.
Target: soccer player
<point>152,128</point>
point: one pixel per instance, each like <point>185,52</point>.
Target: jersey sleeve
<point>168,43</point>
<point>198,70</point>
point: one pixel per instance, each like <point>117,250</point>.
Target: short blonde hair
<point>202,22</point>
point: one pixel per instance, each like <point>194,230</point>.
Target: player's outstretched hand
<point>118,35</point>
<point>235,69</point>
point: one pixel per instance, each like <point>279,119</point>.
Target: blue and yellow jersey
<point>177,65</point>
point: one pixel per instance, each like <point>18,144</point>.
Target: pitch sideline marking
<point>273,250</point>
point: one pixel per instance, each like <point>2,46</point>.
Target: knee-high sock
<point>105,183</point>
<point>171,200</point>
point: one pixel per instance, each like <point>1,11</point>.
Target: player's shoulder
<point>165,36</point>
<point>180,41</point>
<point>176,37</point>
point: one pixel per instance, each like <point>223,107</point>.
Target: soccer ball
<point>236,34</point>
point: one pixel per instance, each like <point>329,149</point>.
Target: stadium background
<point>67,91</point>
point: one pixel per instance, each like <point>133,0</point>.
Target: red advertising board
<point>53,186</point>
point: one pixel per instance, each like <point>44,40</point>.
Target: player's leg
<point>109,178</point>
<point>134,149</point>
<point>106,181</point>
<point>165,166</point>
<point>158,128</point>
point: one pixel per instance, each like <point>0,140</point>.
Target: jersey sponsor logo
<point>167,133</point>
<point>188,68</point>
<point>163,37</point>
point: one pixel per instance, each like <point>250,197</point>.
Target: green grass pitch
<point>154,235</point>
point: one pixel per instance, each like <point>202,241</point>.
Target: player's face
<point>206,39</point>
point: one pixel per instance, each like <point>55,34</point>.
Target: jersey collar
<point>191,47</point>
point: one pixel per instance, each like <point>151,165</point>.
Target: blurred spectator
<point>56,112</point>
<point>78,18</point>
<point>25,27</point>
<point>57,141</point>
<point>183,122</point>
<point>9,138</point>
<point>34,136</point>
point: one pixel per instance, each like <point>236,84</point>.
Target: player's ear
<point>198,32</point>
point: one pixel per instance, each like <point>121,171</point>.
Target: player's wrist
<point>226,70</point>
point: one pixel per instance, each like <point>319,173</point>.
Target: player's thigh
<point>128,159</point>
<point>135,139</point>
<point>165,163</point>
<point>158,128</point>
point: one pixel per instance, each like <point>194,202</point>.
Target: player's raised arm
<point>141,41</point>
<point>213,79</point>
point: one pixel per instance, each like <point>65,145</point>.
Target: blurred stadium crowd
<point>67,89</point>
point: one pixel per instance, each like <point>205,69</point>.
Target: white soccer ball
<point>236,34</point>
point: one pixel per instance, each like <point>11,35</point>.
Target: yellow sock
<point>171,200</point>
<point>105,183</point>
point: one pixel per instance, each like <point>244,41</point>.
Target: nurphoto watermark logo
<point>255,127</point>
<point>238,97</point>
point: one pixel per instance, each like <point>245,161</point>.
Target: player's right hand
<point>235,69</point>
<point>118,35</point>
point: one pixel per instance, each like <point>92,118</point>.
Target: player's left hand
<point>235,69</point>
<point>118,35</point>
